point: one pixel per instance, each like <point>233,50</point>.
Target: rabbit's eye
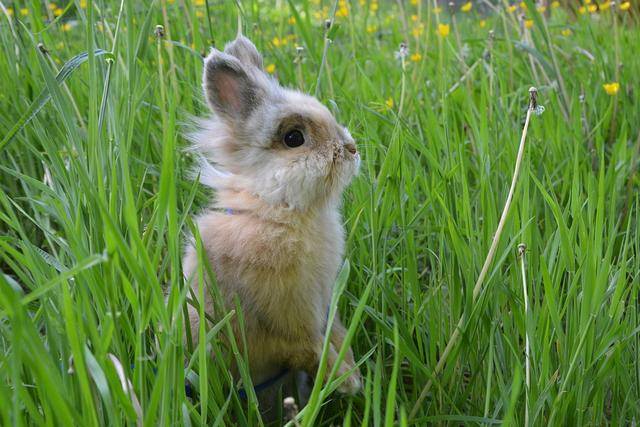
<point>293,138</point>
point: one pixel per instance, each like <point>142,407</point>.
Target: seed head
<point>533,98</point>
<point>522,248</point>
<point>403,51</point>
<point>291,409</point>
<point>159,31</point>
<point>43,49</point>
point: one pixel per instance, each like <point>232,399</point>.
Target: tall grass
<point>96,201</point>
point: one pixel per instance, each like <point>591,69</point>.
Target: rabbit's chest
<point>290,291</point>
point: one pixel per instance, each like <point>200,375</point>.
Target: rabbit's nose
<point>351,147</point>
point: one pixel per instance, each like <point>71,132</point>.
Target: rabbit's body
<point>282,271</point>
<point>274,236</point>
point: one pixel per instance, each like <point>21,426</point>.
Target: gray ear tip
<point>217,59</point>
<point>244,50</point>
<point>247,43</point>
<point>213,52</point>
<point>239,45</point>
<point>242,39</point>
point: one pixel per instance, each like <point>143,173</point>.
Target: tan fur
<point>280,250</point>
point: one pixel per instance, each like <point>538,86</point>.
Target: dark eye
<point>293,138</point>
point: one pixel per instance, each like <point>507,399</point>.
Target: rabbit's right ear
<point>243,49</point>
<point>231,92</point>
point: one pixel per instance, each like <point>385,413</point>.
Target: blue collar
<point>265,385</point>
<point>190,392</point>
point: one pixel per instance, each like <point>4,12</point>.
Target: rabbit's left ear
<point>230,88</point>
<point>245,51</point>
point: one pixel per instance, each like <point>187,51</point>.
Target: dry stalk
<point>455,336</point>
<point>527,363</point>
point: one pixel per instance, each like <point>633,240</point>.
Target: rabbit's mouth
<point>344,165</point>
<point>345,153</point>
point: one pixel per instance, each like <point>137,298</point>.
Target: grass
<point>96,200</point>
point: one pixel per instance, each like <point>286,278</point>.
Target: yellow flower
<point>592,8</point>
<point>200,2</point>
<point>57,12</point>
<point>566,32</point>
<point>24,11</point>
<point>342,12</point>
<point>414,18</point>
<point>625,5</point>
<point>466,7</point>
<point>374,7</point>
<point>582,10</point>
<point>371,29</point>
<point>415,57</point>
<point>483,23</point>
<point>414,2</point>
<point>523,5</point>
<point>389,103</point>
<point>271,68</point>
<point>541,9</point>
<point>512,8</point>
<point>277,42</point>
<point>604,6</point>
<point>66,26</point>
<point>199,14</point>
<point>9,11</point>
<point>291,20</point>
<point>587,1</point>
<point>528,23</point>
<point>418,30</point>
<point>52,6</point>
<point>437,10</point>
<point>611,88</point>
<point>443,30</point>
<point>555,4</point>
<point>83,4</point>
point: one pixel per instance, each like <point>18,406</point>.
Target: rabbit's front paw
<point>352,384</point>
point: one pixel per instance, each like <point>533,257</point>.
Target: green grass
<point>96,201</point>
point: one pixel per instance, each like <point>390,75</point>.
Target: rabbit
<point>279,163</point>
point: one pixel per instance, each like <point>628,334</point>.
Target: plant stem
<point>521,251</point>
<point>455,336</point>
<point>327,42</point>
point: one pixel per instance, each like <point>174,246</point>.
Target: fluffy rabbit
<point>279,163</point>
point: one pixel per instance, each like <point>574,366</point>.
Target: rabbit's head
<point>278,144</point>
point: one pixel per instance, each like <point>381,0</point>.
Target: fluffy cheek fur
<point>313,179</point>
